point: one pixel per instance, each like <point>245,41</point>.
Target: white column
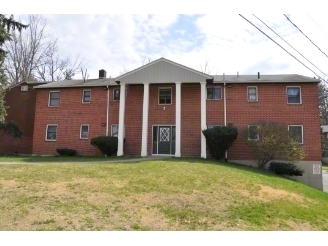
<point>145,120</point>
<point>121,121</point>
<point>178,119</point>
<point>203,117</point>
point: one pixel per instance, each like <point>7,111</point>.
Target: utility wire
<point>283,48</point>
<point>318,26</point>
<point>306,36</point>
<point>290,46</point>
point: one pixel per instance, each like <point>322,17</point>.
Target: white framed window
<point>84,131</point>
<point>296,131</point>
<point>116,94</point>
<point>54,97</point>
<point>51,132</point>
<point>86,96</point>
<point>214,93</point>
<point>115,131</point>
<point>253,132</point>
<point>165,96</point>
<point>294,95</point>
<point>212,126</point>
<point>24,88</point>
<point>252,94</point>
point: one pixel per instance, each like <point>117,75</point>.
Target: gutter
<point>107,110</point>
<point>225,112</point>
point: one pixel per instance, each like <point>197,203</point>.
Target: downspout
<point>107,109</point>
<point>225,112</point>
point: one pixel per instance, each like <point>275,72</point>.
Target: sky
<point>120,42</point>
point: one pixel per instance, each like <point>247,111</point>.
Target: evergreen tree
<point>6,24</point>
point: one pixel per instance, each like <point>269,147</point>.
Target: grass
<point>59,159</point>
<point>325,167</point>
<point>171,194</point>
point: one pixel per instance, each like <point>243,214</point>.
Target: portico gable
<point>161,71</point>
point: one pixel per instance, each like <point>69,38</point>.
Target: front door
<point>164,140</point>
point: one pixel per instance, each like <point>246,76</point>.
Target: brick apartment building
<point>20,100</point>
<point>161,108</point>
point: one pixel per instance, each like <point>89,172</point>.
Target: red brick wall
<point>69,116</point>
<point>272,105</point>
<point>21,111</point>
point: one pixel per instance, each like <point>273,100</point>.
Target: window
<point>294,95</point>
<point>53,98</point>
<point>86,98</point>
<point>253,133</point>
<point>84,131</point>
<point>212,126</point>
<point>296,131</point>
<point>51,133</point>
<point>214,93</point>
<point>165,95</point>
<point>116,94</point>
<point>115,131</point>
<point>252,93</point>
<point>24,88</point>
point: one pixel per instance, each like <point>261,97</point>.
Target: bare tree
<point>26,50</point>
<point>145,60</point>
<point>53,67</point>
<point>85,74</point>
<point>205,68</point>
<point>33,55</point>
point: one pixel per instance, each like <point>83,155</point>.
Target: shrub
<point>219,140</point>
<point>106,144</point>
<point>282,168</point>
<point>66,152</point>
<point>273,142</point>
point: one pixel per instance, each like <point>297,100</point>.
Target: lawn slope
<point>171,194</point>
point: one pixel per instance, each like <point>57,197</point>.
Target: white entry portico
<point>162,71</point>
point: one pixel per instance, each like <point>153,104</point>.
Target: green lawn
<point>325,168</point>
<point>170,194</point>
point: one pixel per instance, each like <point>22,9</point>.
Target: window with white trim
<point>115,131</point>
<point>86,96</point>
<point>165,96</point>
<point>214,93</point>
<point>296,131</point>
<point>253,132</point>
<point>252,93</point>
<point>54,97</point>
<point>294,95</point>
<point>84,131</point>
<point>24,87</point>
<point>51,133</point>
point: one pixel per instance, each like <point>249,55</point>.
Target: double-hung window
<point>84,131</point>
<point>51,133</point>
<point>252,94</point>
<point>165,96</point>
<point>115,131</point>
<point>54,97</point>
<point>214,93</point>
<point>294,95</point>
<point>116,93</point>
<point>86,97</point>
<point>296,131</point>
<point>253,132</point>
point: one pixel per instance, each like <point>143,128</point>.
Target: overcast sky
<point>120,42</point>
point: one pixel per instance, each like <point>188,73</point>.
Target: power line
<point>318,26</point>
<point>291,46</point>
<point>283,48</point>
<point>306,36</point>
